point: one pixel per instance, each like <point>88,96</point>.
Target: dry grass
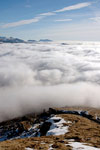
<point>83,130</point>
<point>92,111</point>
<point>36,143</point>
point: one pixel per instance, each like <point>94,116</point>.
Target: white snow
<point>97,117</point>
<point>80,111</point>
<point>57,128</point>
<point>81,146</point>
<point>50,147</point>
<point>29,149</point>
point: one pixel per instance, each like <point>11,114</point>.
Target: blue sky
<point>53,19</point>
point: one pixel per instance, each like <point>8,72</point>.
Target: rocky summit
<point>58,128</point>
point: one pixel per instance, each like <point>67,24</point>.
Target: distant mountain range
<point>11,40</point>
<point>16,40</point>
<point>45,40</point>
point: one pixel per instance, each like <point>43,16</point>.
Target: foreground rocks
<point>31,131</point>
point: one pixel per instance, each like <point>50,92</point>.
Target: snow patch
<point>81,146</point>
<point>29,149</point>
<point>57,127</point>
<point>50,147</point>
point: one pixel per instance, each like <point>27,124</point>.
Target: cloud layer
<point>38,76</point>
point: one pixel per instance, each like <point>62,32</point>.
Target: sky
<point>53,19</point>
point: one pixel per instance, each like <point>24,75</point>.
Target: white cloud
<point>96,19</point>
<point>22,22</point>
<point>74,7</point>
<point>63,20</point>
<point>48,14</point>
<point>29,21</point>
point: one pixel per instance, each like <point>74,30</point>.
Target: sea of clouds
<point>41,75</point>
